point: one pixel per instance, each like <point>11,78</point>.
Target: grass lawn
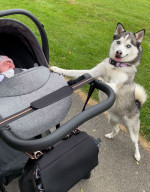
<point>80,33</point>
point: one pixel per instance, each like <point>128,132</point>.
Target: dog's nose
<point>119,52</point>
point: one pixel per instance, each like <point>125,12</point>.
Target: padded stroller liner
<point>19,91</point>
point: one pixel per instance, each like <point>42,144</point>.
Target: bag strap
<point>45,101</point>
<point>77,130</point>
<point>92,87</point>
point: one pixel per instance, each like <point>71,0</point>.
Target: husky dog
<point>119,72</point>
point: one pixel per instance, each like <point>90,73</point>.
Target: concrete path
<point>117,170</point>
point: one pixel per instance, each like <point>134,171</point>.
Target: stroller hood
<point>19,43</point>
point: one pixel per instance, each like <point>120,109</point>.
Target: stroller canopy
<point>18,42</point>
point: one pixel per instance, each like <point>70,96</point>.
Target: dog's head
<point>126,46</point>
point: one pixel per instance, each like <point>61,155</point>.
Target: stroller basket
<point>36,99</point>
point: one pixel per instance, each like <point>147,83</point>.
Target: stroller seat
<point>25,87</point>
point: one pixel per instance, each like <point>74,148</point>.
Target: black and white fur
<point>125,49</point>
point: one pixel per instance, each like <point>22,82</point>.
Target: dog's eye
<point>118,42</point>
<point>128,46</point>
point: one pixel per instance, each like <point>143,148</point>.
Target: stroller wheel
<point>87,176</point>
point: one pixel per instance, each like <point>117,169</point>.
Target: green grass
<point>85,29</point>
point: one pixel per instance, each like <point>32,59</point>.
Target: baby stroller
<point>32,102</point>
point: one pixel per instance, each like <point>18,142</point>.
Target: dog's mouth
<point>118,57</point>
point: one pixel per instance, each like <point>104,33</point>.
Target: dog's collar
<point>118,64</point>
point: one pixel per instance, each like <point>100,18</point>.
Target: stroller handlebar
<point>49,140</point>
<point>40,27</point>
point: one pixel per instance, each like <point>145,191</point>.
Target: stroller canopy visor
<point>18,42</point>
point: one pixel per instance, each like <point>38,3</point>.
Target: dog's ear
<point>119,29</point>
<point>139,35</point>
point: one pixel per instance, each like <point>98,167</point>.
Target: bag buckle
<point>36,155</point>
<point>75,131</point>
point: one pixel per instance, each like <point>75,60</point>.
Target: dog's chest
<point>117,76</point>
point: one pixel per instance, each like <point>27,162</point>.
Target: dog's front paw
<point>137,156</point>
<point>55,69</point>
<point>109,135</point>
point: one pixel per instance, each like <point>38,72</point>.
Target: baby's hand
<point>56,69</point>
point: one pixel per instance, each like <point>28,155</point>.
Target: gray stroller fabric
<point>19,91</point>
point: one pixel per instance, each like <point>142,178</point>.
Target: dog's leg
<point>114,123</point>
<point>69,73</point>
<point>133,126</point>
<point>98,71</point>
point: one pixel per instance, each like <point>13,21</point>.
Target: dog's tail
<point>140,95</point>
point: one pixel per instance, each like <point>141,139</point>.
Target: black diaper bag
<point>60,168</point>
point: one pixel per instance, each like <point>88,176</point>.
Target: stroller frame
<point>33,145</point>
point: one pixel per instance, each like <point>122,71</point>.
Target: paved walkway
<point>117,170</point>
